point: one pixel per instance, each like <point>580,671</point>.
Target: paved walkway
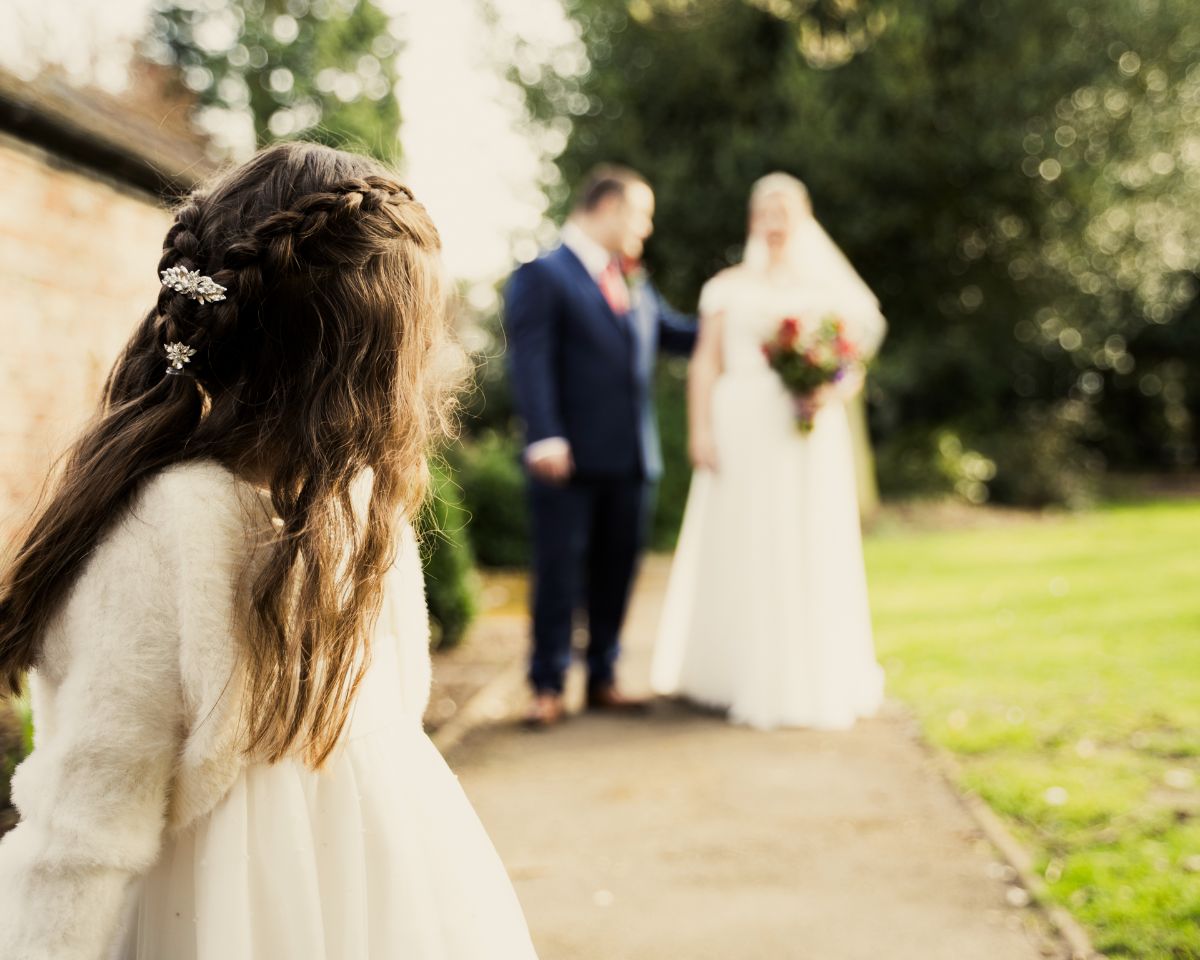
<point>680,837</point>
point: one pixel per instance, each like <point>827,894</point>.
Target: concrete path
<point>679,837</point>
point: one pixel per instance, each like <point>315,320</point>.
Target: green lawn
<point>1059,661</point>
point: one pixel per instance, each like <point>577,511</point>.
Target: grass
<point>1059,661</point>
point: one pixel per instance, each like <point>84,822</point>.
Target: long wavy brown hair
<point>319,365</point>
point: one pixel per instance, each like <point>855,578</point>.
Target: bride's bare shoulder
<point>719,292</point>
<point>719,283</point>
<point>728,274</point>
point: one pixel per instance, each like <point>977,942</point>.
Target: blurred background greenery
<point>1019,182</point>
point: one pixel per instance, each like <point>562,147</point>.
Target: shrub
<point>670,393</point>
<point>493,489</point>
<point>1036,462</point>
<point>930,463</point>
<point>1039,462</point>
<point>15,737</point>
<point>450,581</point>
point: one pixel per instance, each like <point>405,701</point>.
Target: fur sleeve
<point>94,794</point>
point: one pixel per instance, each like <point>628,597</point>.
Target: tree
<point>321,69</point>
<point>1018,182</point>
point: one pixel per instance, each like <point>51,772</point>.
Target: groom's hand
<point>552,466</point>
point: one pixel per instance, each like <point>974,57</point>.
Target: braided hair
<point>317,366</point>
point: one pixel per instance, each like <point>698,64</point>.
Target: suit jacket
<point>581,372</point>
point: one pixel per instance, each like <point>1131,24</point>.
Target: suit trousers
<point>587,539</point>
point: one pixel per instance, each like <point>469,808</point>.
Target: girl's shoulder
<point>191,482</point>
<point>170,555</point>
<point>197,504</point>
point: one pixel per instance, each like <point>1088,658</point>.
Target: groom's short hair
<point>603,181</point>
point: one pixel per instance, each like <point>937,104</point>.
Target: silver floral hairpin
<point>177,355</point>
<point>193,284</point>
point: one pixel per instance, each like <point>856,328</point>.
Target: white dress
<point>378,856</point>
<point>766,610</point>
<point>144,836</point>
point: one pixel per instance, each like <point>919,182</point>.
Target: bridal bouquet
<point>809,357</point>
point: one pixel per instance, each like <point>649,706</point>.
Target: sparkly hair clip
<point>193,284</point>
<point>177,355</point>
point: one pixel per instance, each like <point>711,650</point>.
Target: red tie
<point>612,285</point>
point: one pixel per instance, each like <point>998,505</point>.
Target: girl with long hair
<point>221,613</point>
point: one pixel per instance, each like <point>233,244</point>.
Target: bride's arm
<point>703,372</point>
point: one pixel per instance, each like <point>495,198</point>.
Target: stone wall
<point>77,270</point>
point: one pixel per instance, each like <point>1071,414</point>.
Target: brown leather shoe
<point>547,710</point>
<point>608,697</point>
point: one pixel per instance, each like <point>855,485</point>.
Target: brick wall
<point>77,270</point>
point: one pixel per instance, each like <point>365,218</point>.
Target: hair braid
<point>321,229</point>
<point>331,227</point>
<point>177,315</point>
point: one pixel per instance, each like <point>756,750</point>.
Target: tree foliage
<point>321,69</point>
<point>1019,182</point>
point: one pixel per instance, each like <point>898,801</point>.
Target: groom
<point>584,328</point>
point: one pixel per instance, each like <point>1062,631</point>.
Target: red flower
<point>789,331</point>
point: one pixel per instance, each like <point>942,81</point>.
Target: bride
<point>766,611</point>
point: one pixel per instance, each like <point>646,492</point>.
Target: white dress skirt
<point>379,856</point>
<point>766,614</point>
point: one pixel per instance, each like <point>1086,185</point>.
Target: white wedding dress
<point>766,610</point>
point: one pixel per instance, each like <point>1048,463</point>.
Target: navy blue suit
<point>584,373</point>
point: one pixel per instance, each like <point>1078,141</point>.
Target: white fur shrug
<point>136,704</point>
